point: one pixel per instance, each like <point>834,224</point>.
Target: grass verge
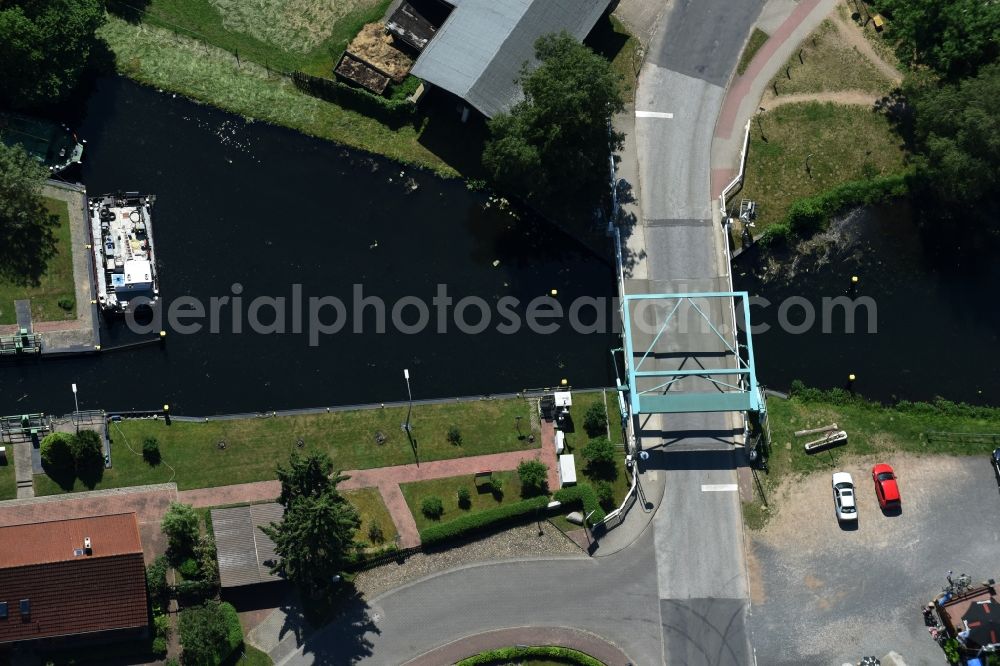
<point>840,143</point>
<point>371,508</point>
<point>160,58</point>
<point>254,446</point>
<point>531,656</point>
<point>612,40</point>
<point>57,282</point>
<point>481,497</point>
<point>825,63</point>
<point>873,430</point>
<point>8,482</point>
<point>757,39</point>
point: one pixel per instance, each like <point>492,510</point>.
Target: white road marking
<point>719,487</point>
<point>653,114</point>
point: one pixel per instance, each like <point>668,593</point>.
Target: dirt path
<point>769,101</point>
<point>852,35</point>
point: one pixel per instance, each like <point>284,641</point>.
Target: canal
<point>936,325</point>
<point>252,210</point>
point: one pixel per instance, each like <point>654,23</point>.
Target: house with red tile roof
<point>78,577</point>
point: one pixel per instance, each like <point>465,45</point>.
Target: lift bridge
<point>683,353</point>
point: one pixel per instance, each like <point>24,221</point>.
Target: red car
<point>886,488</point>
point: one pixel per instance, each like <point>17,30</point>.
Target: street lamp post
<point>517,424</point>
<point>76,411</point>
<point>409,409</point>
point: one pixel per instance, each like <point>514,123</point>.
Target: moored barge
<point>124,260</point>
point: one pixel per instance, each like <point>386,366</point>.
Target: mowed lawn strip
<point>254,446</point>
<point>842,143</point>
<point>481,497</point>
<point>371,508</point>
<point>56,283</point>
<point>872,429</point>
<point>8,482</point>
<point>576,441</point>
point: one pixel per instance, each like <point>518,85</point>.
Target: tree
<point>88,456</point>
<point>180,524</point>
<point>952,37</point>
<point>432,507</point>
<point>27,241</point>
<point>151,451</point>
<point>209,633</point>
<point>555,144</point>
<point>600,455</point>
<point>957,140</point>
<point>595,420</point>
<point>57,457</point>
<point>45,45</point>
<point>534,477</point>
<point>316,535</point>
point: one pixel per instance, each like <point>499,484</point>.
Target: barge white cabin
<point>124,261</point>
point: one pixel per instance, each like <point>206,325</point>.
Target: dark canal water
<point>938,326</point>
<point>269,208</point>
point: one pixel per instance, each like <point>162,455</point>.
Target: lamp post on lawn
<point>409,409</point>
<point>517,424</point>
<point>76,411</point>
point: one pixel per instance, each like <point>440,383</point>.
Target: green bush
<point>189,569</point>
<point>375,534</point>
<point>812,214</point>
<point>156,581</point>
<point>181,526</point>
<point>496,486</point>
<point>454,435</point>
<point>88,455</point>
<point>534,477</point>
<point>464,498</point>
<point>605,493</point>
<point>210,633</point>
<point>66,303</point>
<point>151,451</point>
<point>582,494</point>
<point>159,647</point>
<point>595,420</point>
<point>161,624</point>
<point>512,655</point>
<point>57,454</point>
<point>478,522</point>
<point>776,235</point>
<point>601,455</point>
<point>432,507</point>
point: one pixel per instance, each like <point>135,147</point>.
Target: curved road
<point>678,594</point>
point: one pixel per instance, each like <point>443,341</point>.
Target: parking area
<point>824,594</point>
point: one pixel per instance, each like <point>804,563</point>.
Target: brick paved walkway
<point>388,479</point>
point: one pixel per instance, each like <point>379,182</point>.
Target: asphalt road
<point>828,595</point>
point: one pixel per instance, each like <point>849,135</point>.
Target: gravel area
<point>523,541</point>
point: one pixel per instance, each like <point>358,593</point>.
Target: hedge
<point>234,630</point>
<point>480,521</point>
<point>813,213</point>
<point>582,493</point>
<point>518,654</point>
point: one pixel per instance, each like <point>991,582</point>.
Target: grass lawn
<point>576,441</point>
<point>255,446</point>
<point>757,39</point>
<point>846,143</point>
<point>368,502</point>
<point>871,428</point>
<point>481,497</point>
<point>8,482</point>
<point>829,65</point>
<point>251,656</point>
<point>57,282</point>
<point>611,39</point>
<point>288,35</point>
<point>159,58</point>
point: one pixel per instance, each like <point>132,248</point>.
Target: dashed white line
<point>719,487</point>
<point>653,114</point>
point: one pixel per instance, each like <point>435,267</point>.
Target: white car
<point>843,497</point>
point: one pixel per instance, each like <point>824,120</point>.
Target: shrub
<point>477,522</point>
<point>375,534</point>
<point>582,494</point>
<point>776,235</point>
<point>534,478</point>
<point>595,420</point>
<point>605,495</point>
<point>454,435</point>
<point>161,624</point>
<point>151,451</point>
<point>812,214</point>
<point>189,569</point>
<point>432,507</point>
<point>210,633</point>
<point>57,456</point>
<point>156,581</point>
<point>67,303</point>
<point>518,655</point>
<point>600,455</point>
<point>159,647</point>
<point>180,524</point>
<point>496,486</point>
<point>464,498</point>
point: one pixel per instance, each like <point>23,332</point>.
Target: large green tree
<point>209,633</point>
<point>554,145</point>
<point>957,140</point>
<point>952,37</point>
<point>27,241</point>
<point>44,47</point>
<point>180,524</point>
<point>316,534</point>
